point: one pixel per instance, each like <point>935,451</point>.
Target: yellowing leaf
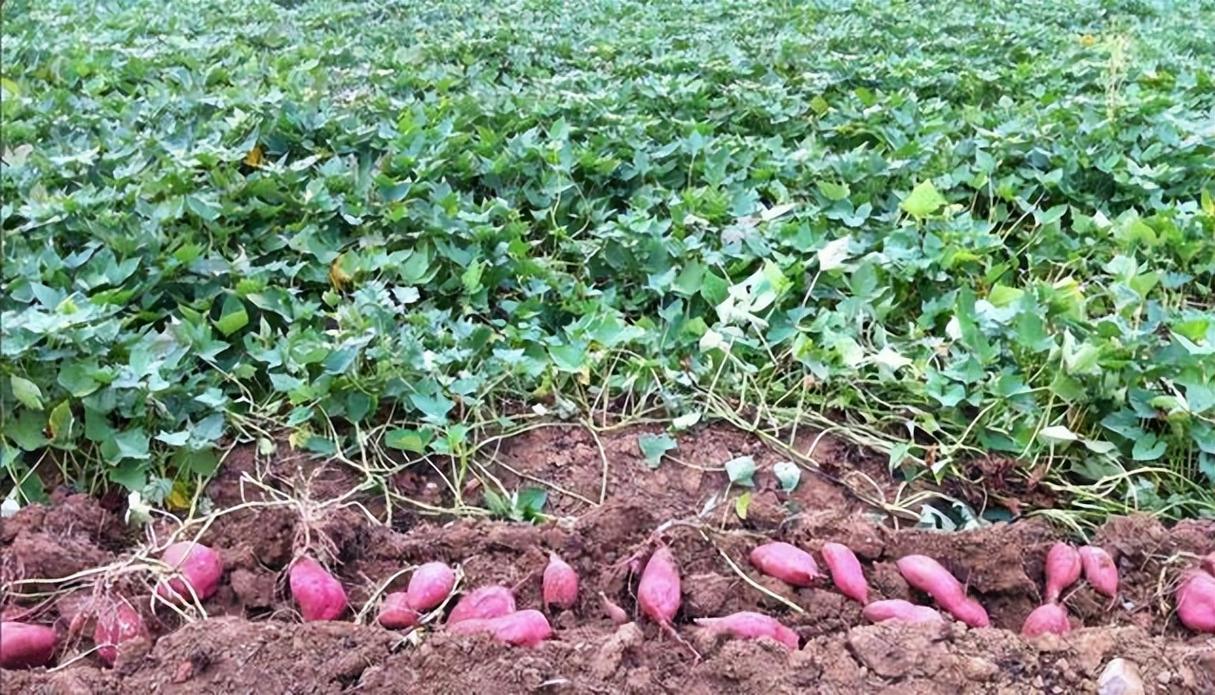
<point>179,496</point>
<point>923,200</point>
<point>338,277</point>
<point>742,504</point>
<point>256,157</point>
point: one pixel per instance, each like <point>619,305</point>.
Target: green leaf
<point>174,438</point>
<point>203,462</point>
<point>654,446</point>
<point>131,475</point>
<point>233,316</point>
<point>132,444</point>
<point>1200,397</point>
<point>923,200</point>
<point>27,392</point>
<point>789,475</point>
<point>568,358</point>
<point>1149,448</point>
<point>833,191</point>
<point>77,379</point>
<point>358,405</point>
<point>27,430</point>
<point>741,471</point>
<point>434,407</point>
<point>407,440</point>
<point>742,504</point>
<point>61,423</point>
<point>531,501</point>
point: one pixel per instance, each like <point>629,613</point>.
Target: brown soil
<point>254,640</point>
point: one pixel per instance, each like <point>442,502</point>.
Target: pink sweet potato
<point>25,646</point>
<point>319,594</point>
<point>898,609</point>
<point>658,592</point>
<point>614,612</point>
<point>1099,570</point>
<point>1196,601</point>
<point>200,569</point>
<point>1063,567</point>
<point>117,622</point>
<point>929,576</point>
<point>395,613</point>
<point>429,585</point>
<point>526,628</point>
<point>748,625</point>
<point>786,562</point>
<point>1049,617</point>
<point>846,572</point>
<point>482,604</point>
<point>560,586</point>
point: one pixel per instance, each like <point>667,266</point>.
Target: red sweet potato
<point>1099,570</point>
<point>1196,601</point>
<point>395,613</point>
<point>560,586</point>
<point>200,569</point>
<point>929,576</point>
<point>429,585</point>
<point>898,609</point>
<point>614,612</point>
<point>482,604</point>
<point>748,625</point>
<point>786,562</point>
<point>25,646</point>
<point>319,594</point>
<point>658,592</point>
<point>117,622</point>
<point>526,628</point>
<point>846,572</point>
<point>1063,568</point>
<point>1049,617</point>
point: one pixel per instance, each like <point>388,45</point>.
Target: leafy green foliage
<point>958,227</point>
<point>654,446</point>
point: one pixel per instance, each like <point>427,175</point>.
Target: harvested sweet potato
<point>749,625</point>
<point>786,562</point>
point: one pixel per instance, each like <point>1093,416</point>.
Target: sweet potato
<point>786,562</point>
<point>319,594</point>
<point>395,613</point>
<point>748,625</point>
<point>429,585</point>
<point>200,569</point>
<point>1099,570</point>
<point>526,628</point>
<point>118,622</point>
<point>846,572</point>
<point>560,586</point>
<point>25,646</point>
<point>482,604</point>
<point>1196,601</point>
<point>658,592</point>
<point>898,609</point>
<point>614,612</point>
<point>929,576</point>
<point>1049,617</point>
<point>1063,567</point>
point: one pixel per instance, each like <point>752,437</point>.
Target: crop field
<point>374,284</point>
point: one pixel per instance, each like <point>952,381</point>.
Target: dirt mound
<point>253,639</point>
<point>227,655</point>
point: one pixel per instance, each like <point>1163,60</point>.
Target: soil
<point>606,517</point>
